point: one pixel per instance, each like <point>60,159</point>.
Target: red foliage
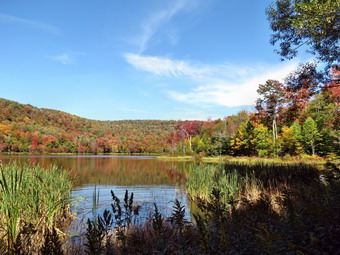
<point>334,86</point>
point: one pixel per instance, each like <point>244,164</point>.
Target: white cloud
<point>232,93</point>
<point>9,19</point>
<point>220,84</point>
<point>156,21</point>
<point>67,58</point>
<point>164,66</point>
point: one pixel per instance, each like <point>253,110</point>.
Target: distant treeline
<point>299,116</point>
<point>24,128</point>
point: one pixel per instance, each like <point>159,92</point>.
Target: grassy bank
<point>248,160</point>
<point>33,202</point>
<point>175,158</point>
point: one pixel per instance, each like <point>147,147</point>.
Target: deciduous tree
<point>314,24</point>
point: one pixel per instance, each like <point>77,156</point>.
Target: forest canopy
<point>310,24</point>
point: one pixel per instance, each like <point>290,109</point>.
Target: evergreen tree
<point>311,134</point>
<point>262,140</point>
<point>297,137</point>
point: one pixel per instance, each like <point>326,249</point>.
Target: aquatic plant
<point>236,179</point>
<point>32,201</point>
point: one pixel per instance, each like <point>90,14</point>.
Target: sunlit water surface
<point>152,181</point>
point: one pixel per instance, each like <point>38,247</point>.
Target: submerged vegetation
<point>33,203</point>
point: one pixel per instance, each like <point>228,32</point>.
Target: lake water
<point>151,180</point>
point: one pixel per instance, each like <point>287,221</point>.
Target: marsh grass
<point>308,223</point>
<point>237,180</point>
<point>33,201</point>
<point>175,158</point>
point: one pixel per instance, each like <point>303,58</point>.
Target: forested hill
<point>25,128</point>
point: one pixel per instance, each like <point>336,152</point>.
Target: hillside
<point>25,128</point>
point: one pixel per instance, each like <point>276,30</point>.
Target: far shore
<point>225,159</point>
<point>315,160</point>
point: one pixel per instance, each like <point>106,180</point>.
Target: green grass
<point>202,179</point>
<point>219,159</point>
<point>31,199</point>
<point>241,178</point>
<point>176,158</point>
<point>249,160</point>
<point>292,161</point>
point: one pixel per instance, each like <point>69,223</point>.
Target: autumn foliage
<point>24,128</point>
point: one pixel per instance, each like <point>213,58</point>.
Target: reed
<point>32,200</point>
<point>238,179</point>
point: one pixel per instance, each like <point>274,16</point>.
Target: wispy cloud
<point>157,20</point>
<point>220,84</point>
<point>224,92</point>
<point>67,58</point>
<point>165,67</point>
<point>9,19</point>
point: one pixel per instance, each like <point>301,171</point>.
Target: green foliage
<point>311,134</point>
<point>262,141</point>
<point>31,196</point>
<point>270,102</point>
<point>291,139</point>
<point>237,178</point>
<point>326,115</point>
<point>314,23</point>
<point>203,179</point>
<point>198,144</point>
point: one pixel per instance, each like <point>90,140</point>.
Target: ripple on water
<point>144,195</point>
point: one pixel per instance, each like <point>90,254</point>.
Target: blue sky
<point>137,59</point>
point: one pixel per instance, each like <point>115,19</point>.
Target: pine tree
<point>311,134</point>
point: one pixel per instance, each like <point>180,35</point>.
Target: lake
<point>151,180</point>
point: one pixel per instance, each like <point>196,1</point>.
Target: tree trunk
<point>275,134</point>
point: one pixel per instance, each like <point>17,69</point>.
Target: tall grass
<point>203,179</point>
<point>246,179</point>
<point>32,200</point>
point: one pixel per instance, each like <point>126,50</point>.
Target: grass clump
<point>237,180</point>
<point>202,179</point>
<point>33,201</point>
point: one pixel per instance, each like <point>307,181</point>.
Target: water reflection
<point>151,180</point>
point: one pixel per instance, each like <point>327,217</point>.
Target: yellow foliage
<point>5,129</point>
